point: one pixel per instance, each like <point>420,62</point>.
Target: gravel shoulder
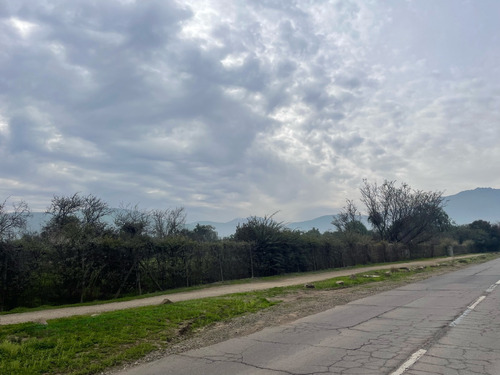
<point>43,316</point>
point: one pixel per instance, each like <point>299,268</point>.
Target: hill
<point>477,204</point>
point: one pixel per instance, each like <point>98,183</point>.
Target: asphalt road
<point>448,324</point>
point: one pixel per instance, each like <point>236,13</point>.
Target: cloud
<point>244,108</point>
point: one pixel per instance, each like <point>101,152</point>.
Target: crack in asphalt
<point>379,339</point>
<point>373,354</point>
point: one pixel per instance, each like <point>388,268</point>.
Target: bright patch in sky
<point>24,28</point>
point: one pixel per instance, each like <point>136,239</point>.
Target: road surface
<point>448,324</point>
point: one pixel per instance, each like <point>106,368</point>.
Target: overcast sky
<point>239,108</point>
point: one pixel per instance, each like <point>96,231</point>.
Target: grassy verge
<point>90,344</point>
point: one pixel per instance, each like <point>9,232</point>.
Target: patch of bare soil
<point>292,307</point>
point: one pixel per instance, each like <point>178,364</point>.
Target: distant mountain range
<point>322,223</point>
<point>463,208</point>
<point>477,204</point>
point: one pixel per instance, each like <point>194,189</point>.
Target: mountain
<point>322,223</point>
<point>36,221</point>
<point>222,229</point>
<point>477,204</point>
<point>463,208</point>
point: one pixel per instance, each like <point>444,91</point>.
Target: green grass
<point>89,344</point>
<point>361,278</point>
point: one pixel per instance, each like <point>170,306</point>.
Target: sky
<point>241,108</point>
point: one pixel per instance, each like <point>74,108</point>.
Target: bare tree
<point>76,222</point>
<point>401,214</point>
<point>14,221</point>
<point>88,210</point>
<point>168,222</point>
<point>64,209</point>
<point>93,210</point>
<point>132,220</point>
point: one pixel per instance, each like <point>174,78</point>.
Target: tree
<point>14,221</point>
<point>63,210</point>
<point>75,224</point>
<point>133,225</point>
<point>265,234</point>
<point>202,233</point>
<point>168,222</point>
<point>132,221</point>
<point>350,230</point>
<point>401,214</point>
<point>93,210</point>
<point>486,236</point>
<point>348,221</point>
<point>11,224</point>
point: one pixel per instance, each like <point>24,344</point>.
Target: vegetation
<point>79,257</point>
<point>400,214</point>
<point>90,344</point>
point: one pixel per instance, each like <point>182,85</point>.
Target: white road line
<point>458,320</point>
<point>467,312</point>
<point>419,353</point>
<point>410,362</point>
<point>473,306</point>
<point>492,287</point>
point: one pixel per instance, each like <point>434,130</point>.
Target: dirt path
<point>43,316</point>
